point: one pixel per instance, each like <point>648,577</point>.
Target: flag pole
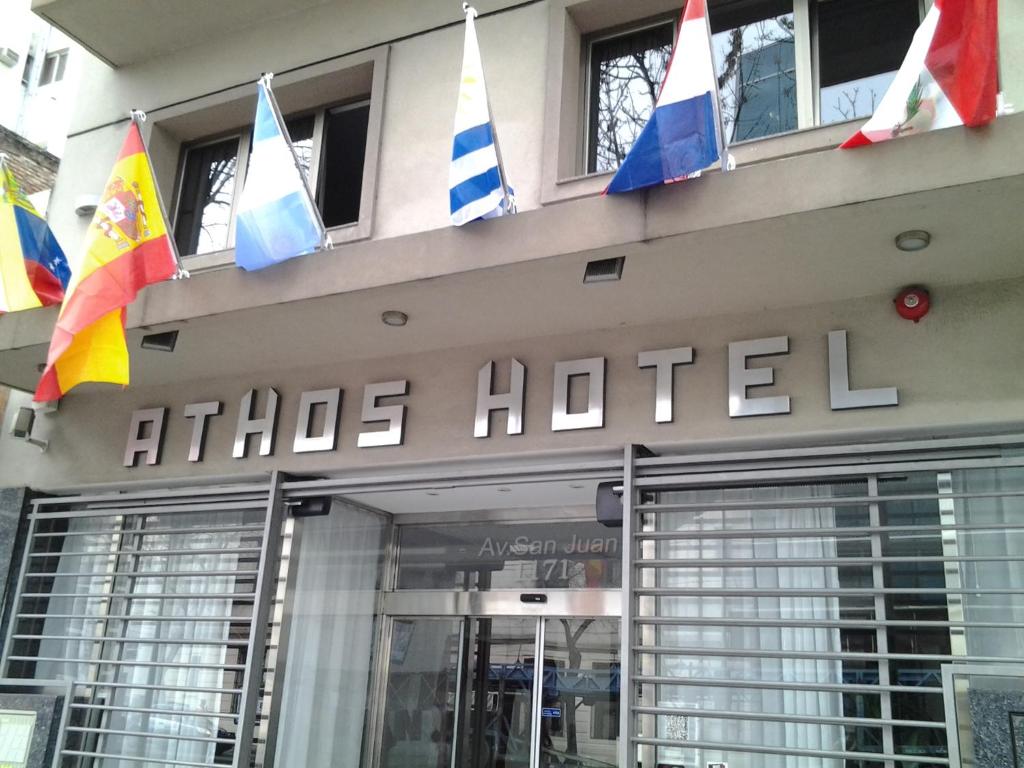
<point>719,120</point>
<point>138,117</point>
<point>265,78</point>
<point>507,199</point>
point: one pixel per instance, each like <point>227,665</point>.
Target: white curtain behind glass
<point>993,574</point>
<point>330,650</point>
<point>753,638</point>
<point>192,651</point>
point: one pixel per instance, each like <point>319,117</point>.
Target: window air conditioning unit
<point>8,57</point>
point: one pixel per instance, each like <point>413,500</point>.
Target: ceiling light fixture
<point>913,240</point>
<point>394,318</point>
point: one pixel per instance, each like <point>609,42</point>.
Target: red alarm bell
<point>912,303</point>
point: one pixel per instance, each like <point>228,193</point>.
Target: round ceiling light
<point>394,317</point>
<point>913,240</point>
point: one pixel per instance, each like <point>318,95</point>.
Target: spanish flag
<point>33,269</point>
<point>126,248</point>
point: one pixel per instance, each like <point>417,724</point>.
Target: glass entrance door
<point>463,693</point>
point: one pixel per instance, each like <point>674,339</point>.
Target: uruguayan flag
<point>277,219</point>
<point>477,187</point>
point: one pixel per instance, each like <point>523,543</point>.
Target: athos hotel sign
<point>148,426</point>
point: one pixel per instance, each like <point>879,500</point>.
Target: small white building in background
<point>39,68</point>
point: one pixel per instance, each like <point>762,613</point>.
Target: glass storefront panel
<point>577,554</point>
<point>421,693</point>
<point>580,704</point>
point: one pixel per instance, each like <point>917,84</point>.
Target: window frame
<point>58,60</point>
<point>358,78</point>
<point>587,121</point>
<point>575,24</point>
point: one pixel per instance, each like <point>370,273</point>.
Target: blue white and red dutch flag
<point>277,218</point>
<point>683,134</point>
<point>33,269</point>
<point>477,187</point>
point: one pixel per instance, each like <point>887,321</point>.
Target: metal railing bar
<point>148,687</point>
<point>152,552</point>
<point>671,482</point>
<point>148,735</point>
<point>665,650</point>
<point>134,641</point>
<point>989,443</point>
<point>706,682</point>
<point>855,532</point>
<point>782,717</point>
<point>127,617</point>
<point>239,596</point>
<point>875,757</point>
<point>116,663</point>
<point>851,592</point>
<point>156,711</point>
<point>123,512</point>
<point>105,756</point>
<point>818,562</point>
<point>157,531</point>
<point>711,621</point>
<point>163,493</point>
<point>815,502</point>
<point>141,575</point>
<point>597,469</point>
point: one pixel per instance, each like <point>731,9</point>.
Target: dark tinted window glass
<point>756,68</point>
<point>207,188</point>
<point>861,44</point>
<point>300,131</point>
<point>625,75</point>
<point>341,170</point>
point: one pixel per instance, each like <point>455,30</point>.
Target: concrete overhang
<point>803,230</point>
<point>122,32</point>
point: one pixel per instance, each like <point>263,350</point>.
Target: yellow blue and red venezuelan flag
<point>126,249</point>
<point>33,269</point>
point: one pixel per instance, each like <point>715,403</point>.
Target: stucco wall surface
<point>960,370</point>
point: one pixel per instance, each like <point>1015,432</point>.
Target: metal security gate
<point>798,608</point>
<point>154,604</point>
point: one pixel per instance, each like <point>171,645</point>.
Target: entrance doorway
<point>468,692</point>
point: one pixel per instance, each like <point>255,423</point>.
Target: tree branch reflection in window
<point>754,59</point>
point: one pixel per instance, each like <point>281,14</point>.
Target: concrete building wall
<point>957,371</point>
<point>420,95</point>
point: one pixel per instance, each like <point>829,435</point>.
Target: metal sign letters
<point>319,410</point>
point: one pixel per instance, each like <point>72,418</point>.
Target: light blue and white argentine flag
<point>477,187</point>
<point>277,219</point>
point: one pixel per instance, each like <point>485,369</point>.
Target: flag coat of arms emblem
<point>683,134</point>
<point>33,269</point>
<point>477,187</point>
<point>126,248</point>
<point>948,78</point>
<point>277,218</point>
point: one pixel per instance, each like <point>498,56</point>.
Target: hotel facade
<point>729,472</point>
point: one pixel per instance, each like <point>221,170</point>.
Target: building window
<point>330,144</point>
<point>753,48</point>
<point>26,74</point>
<point>861,44</point>
<point>53,67</point>
<point>625,73</point>
<point>207,197</point>
<point>766,86</point>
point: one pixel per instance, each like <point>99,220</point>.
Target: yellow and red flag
<point>126,248</point>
